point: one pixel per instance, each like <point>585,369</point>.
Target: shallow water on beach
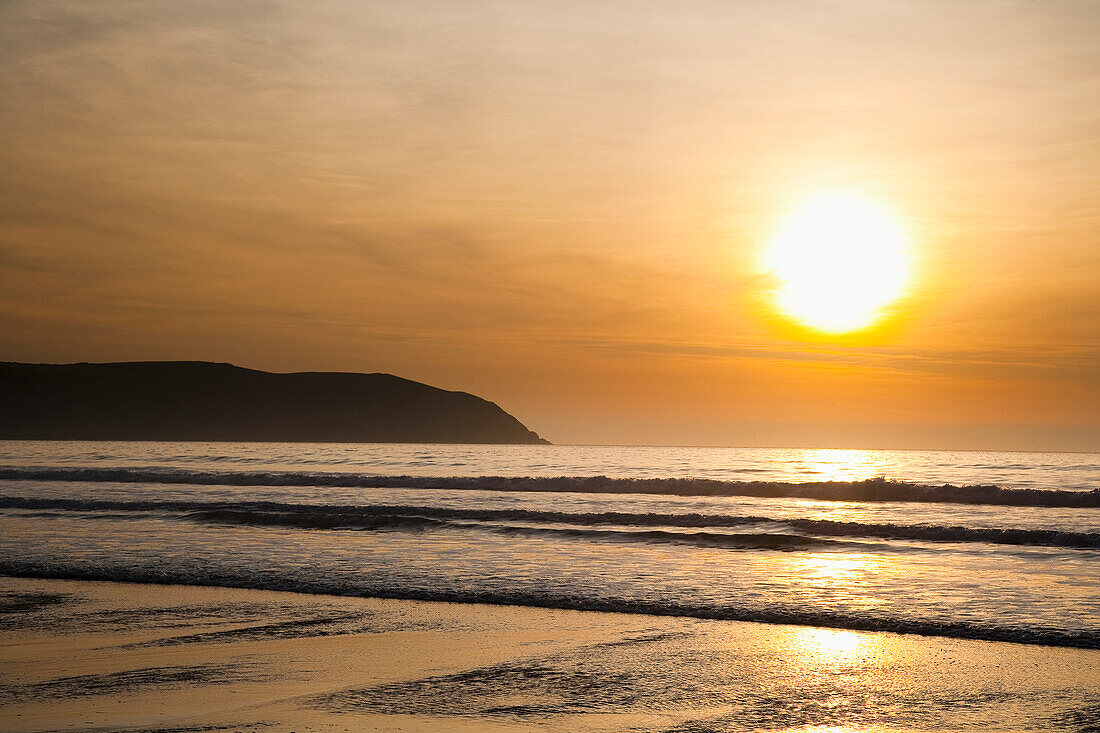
<point>321,519</point>
<point>121,657</point>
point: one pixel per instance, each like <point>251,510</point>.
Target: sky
<point>562,206</point>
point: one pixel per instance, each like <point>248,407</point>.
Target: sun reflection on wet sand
<point>831,644</point>
<point>839,729</point>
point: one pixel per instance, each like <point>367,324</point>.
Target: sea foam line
<point>225,577</point>
<point>870,490</point>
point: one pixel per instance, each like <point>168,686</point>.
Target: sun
<point>837,262</point>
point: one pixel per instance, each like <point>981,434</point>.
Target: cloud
<point>475,189</point>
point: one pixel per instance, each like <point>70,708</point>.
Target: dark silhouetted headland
<point>206,401</point>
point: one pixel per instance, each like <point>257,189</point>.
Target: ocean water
<point>915,542</point>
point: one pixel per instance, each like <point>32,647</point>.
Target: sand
<point>123,657</point>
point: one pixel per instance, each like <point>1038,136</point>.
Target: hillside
<point>207,401</point>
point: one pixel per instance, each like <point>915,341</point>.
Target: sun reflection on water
<point>842,578</point>
<point>835,464</point>
<point>833,566</point>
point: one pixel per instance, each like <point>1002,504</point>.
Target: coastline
<point>87,655</point>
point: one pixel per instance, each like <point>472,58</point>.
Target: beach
<point>80,655</point>
<point>585,367</point>
<point>324,587</point>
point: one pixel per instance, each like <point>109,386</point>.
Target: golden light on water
<point>837,263</point>
<point>840,464</point>
<point>832,566</point>
<point>833,644</point>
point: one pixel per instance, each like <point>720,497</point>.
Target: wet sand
<point>122,657</point>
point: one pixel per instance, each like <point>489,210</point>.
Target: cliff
<point>206,401</point>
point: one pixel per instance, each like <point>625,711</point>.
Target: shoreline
<point>94,655</point>
<point>1054,639</point>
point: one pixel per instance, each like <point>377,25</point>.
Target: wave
<point>379,517</point>
<point>870,490</point>
<point>1082,639</point>
<point>740,541</point>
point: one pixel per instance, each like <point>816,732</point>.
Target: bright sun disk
<point>837,262</point>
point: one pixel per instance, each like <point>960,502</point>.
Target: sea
<point>1000,546</point>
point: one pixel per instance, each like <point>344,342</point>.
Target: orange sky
<point>560,206</point>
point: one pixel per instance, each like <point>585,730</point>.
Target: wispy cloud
<point>566,191</point>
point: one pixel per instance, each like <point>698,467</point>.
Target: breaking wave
<point>870,490</point>
<point>398,517</point>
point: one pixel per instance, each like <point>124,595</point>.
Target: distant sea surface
<point>698,532</point>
